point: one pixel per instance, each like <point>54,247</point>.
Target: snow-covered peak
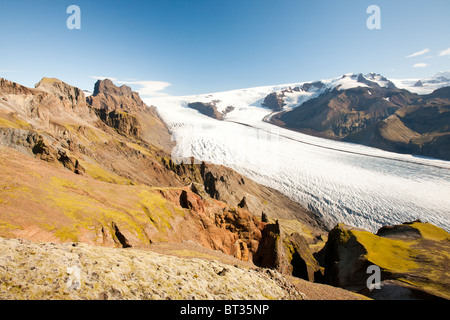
<point>426,85</point>
<point>378,79</point>
<point>295,94</point>
<point>87,93</point>
<point>354,80</point>
<point>347,81</point>
<point>291,95</point>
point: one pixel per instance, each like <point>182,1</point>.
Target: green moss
<point>431,232</point>
<point>67,233</point>
<point>7,229</point>
<point>85,210</point>
<point>89,136</point>
<point>98,173</point>
<point>290,250</point>
<point>158,210</point>
<point>13,122</point>
<point>139,148</point>
<point>391,254</point>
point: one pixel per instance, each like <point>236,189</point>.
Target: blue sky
<point>189,47</point>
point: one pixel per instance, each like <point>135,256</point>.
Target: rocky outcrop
<point>288,254</point>
<point>274,101</point>
<point>227,185</point>
<point>123,109</point>
<point>122,121</point>
<point>412,259</point>
<point>208,109</point>
<point>69,96</point>
<point>110,97</point>
<point>117,107</point>
<point>52,101</point>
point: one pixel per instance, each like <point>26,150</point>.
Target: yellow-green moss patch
<point>396,255</point>
<point>431,232</point>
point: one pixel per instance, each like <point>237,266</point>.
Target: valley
<point>108,179</point>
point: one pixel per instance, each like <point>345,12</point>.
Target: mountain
<point>378,114</point>
<point>90,179</point>
<point>120,108</point>
<point>368,109</point>
<point>343,108</point>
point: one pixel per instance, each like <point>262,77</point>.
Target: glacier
<point>340,182</point>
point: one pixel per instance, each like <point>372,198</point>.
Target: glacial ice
<point>341,182</point>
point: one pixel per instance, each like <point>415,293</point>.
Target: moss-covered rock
<point>36,271</point>
<point>413,259</point>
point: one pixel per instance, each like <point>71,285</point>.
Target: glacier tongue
<point>340,182</point>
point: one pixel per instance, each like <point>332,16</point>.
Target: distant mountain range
<point>405,116</point>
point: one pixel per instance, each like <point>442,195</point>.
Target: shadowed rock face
<point>288,254</point>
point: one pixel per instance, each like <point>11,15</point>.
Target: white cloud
<point>103,78</point>
<point>418,53</point>
<point>149,88</point>
<point>6,71</point>
<point>420,65</point>
<point>445,52</point>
